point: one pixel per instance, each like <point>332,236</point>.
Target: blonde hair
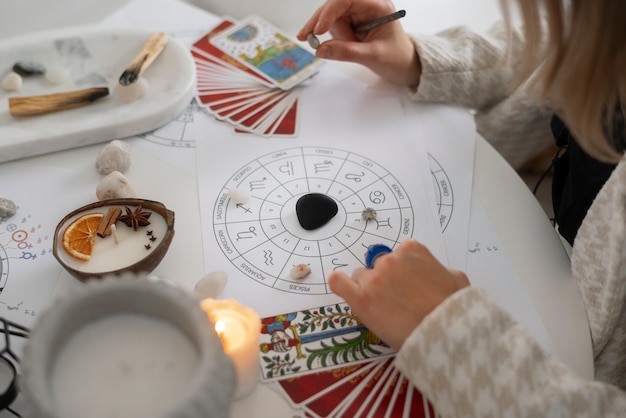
<point>579,48</point>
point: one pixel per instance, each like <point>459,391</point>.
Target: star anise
<point>136,218</point>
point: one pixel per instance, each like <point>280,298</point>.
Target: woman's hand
<point>402,288</point>
<point>386,50</point>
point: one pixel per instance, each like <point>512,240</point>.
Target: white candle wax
<point>123,365</point>
<point>109,255</point>
<point>239,331</point>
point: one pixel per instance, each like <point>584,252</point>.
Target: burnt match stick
<point>151,49</point>
<point>47,103</point>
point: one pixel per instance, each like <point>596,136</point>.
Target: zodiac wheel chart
<point>263,238</point>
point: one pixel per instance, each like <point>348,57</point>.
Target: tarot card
<point>382,402</point>
<point>312,340</point>
<point>203,48</point>
<point>263,48</point>
<point>395,409</point>
<point>332,402</point>
<point>276,119</point>
<point>339,381</point>
<point>359,404</point>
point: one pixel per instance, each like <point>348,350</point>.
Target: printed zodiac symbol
<point>251,232</point>
<point>337,264</point>
<point>383,222</point>
<point>269,260</point>
<point>322,167</point>
<point>286,168</point>
<point>257,184</point>
<point>355,177</point>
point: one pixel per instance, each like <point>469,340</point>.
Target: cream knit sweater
<point>469,357</point>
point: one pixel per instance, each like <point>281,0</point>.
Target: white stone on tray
<point>12,82</point>
<point>57,75</point>
<point>131,92</point>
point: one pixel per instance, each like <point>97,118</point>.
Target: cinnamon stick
<point>104,229</point>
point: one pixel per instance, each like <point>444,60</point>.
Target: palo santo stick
<point>37,105</point>
<point>151,49</point>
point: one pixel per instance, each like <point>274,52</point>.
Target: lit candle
<point>125,347</point>
<point>238,328</point>
<point>124,365</point>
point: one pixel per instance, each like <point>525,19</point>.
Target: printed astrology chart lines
<point>263,238</point>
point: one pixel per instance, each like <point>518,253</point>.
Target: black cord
<point>7,355</point>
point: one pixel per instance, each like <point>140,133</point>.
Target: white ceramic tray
<point>93,58</point>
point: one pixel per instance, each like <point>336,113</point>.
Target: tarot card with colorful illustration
<point>266,50</point>
<point>312,340</point>
<point>239,95</point>
<point>203,48</point>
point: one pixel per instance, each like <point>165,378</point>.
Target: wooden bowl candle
<point>113,236</point>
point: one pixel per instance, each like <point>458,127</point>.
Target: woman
<point>462,350</point>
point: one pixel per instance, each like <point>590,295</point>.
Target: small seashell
<point>369,214</point>
<point>239,196</point>
<point>29,68</point>
<point>12,82</point>
<point>113,157</point>
<point>57,75</point>
<point>132,91</point>
<point>114,186</point>
<point>313,41</point>
<point>211,285</point>
<point>300,271</point>
<point>8,208</point>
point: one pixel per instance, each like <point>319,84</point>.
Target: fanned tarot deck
<point>249,74</point>
<point>325,362</point>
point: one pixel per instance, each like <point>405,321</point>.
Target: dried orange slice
<point>78,237</point>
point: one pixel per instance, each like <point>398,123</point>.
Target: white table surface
<point>535,249</point>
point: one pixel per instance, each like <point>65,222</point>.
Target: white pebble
<point>239,196</point>
<point>113,157</point>
<point>57,75</point>
<point>131,92</point>
<point>114,186</point>
<point>313,41</point>
<point>300,271</point>
<point>211,285</point>
<point>12,82</point>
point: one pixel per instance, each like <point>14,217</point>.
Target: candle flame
<point>220,327</point>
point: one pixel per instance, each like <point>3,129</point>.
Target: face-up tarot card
<point>260,46</point>
<point>316,339</point>
<point>240,95</point>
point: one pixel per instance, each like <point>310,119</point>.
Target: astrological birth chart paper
<point>354,146</point>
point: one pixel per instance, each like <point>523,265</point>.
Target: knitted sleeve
<point>469,69</point>
<point>471,359</point>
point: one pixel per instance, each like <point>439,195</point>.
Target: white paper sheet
<point>365,158</point>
